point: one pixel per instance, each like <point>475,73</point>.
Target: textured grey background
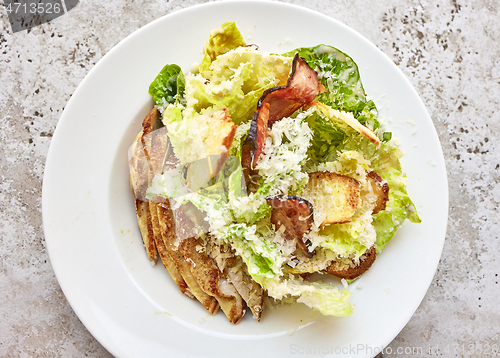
<point>447,48</point>
<point>29,13</point>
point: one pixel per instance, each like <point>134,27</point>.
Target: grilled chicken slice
<point>380,188</point>
<point>209,278</point>
<point>202,267</point>
<point>174,250</point>
<point>169,264</point>
<point>146,227</point>
<point>139,180</point>
<point>235,270</point>
<point>147,156</point>
<point>295,215</point>
<point>157,155</point>
<point>350,272</point>
<point>250,291</point>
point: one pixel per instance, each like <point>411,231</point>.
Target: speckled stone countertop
<point>449,51</point>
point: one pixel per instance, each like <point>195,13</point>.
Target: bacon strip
<point>296,215</point>
<point>302,88</point>
<point>253,147</point>
<point>275,104</point>
<point>258,131</point>
<point>381,189</point>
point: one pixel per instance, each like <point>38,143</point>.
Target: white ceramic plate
<point>134,309</point>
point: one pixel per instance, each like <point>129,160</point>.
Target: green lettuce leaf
<point>340,75</point>
<point>320,296</point>
<point>239,137</point>
<point>236,80</point>
<point>399,207</point>
<point>168,85</point>
<point>341,241</point>
<point>385,161</point>
<point>222,40</point>
<point>254,244</point>
<point>327,135</point>
<point>341,147</point>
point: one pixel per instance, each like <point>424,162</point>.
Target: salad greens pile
<point>234,76</point>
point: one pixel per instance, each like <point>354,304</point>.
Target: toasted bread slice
<point>380,188</point>
<point>216,148</point>
<point>334,196</point>
<point>172,246</point>
<point>349,272</point>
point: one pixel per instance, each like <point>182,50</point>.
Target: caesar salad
<point>255,174</point>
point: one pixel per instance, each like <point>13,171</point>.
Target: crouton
<point>350,272</point>
<point>221,123</point>
<point>216,148</point>
<point>334,196</point>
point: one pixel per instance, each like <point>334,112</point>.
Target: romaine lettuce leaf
<point>336,147</point>
<point>172,113</point>
<point>187,136</point>
<point>340,75</point>
<point>222,40</point>
<point>254,244</point>
<point>241,133</point>
<point>385,161</point>
<point>168,86</point>
<point>236,80</point>
<point>343,239</point>
<point>323,297</point>
<point>326,136</point>
<point>399,207</point>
